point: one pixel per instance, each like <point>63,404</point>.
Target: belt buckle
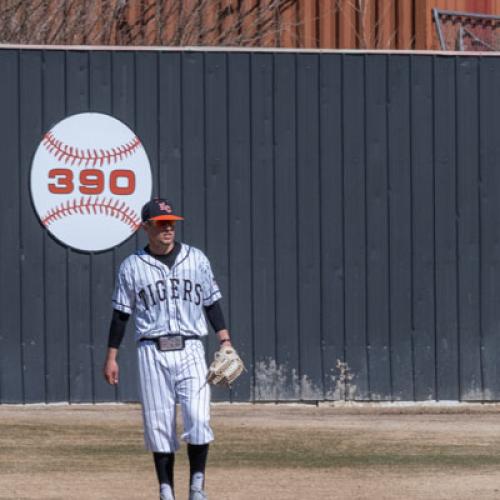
<point>170,343</point>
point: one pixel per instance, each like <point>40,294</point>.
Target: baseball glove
<point>226,367</point>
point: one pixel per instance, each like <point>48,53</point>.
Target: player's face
<point>160,232</point>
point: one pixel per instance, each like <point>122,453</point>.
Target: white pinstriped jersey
<point>166,300</point>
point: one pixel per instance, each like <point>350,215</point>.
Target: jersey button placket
<point>175,313</point>
<point>168,321</point>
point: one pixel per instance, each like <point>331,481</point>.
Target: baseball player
<point>170,288</point>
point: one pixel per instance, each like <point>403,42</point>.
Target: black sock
<point>197,454</point>
<point>164,465</point>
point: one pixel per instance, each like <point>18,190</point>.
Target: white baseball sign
<point>90,177</point>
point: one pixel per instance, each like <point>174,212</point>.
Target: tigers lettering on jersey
<point>179,290</point>
<point>166,300</point>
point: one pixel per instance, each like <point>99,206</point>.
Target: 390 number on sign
<point>91,181</point>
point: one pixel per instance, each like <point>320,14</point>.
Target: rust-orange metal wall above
<point>378,24</point>
<point>338,24</point>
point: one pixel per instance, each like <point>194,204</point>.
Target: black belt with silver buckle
<point>171,342</point>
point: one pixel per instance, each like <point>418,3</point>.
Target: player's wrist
<point>111,354</point>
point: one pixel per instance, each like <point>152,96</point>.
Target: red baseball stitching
<point>93,157</point>
<point>91,206</point>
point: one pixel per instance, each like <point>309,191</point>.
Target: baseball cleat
<point>197,494</point>
<point>166,493</point>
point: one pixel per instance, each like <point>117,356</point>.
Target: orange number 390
<point>91,181</point>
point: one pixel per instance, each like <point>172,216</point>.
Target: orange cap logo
<point>166,208</point>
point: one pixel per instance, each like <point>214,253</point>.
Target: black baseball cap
<point>159,209</point>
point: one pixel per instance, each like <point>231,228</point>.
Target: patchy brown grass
<point>261,451</point>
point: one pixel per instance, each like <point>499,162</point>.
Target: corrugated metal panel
<point>446,255</point>
<point>11,360</point>
<point>239,249</point>
<point>287,230</point>
<point>56,256</point>
<point>348,203</point>
<point>468,229</point>
<point>377,230</point>
<point>489,186</point>
<point>216,179</point>
<point>354,234</point>
<point>332,224</point>
<point>308,220</point>
<point>262,224</point>
<point>400,228</point>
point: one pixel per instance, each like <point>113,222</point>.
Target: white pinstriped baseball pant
<point>166,378</point>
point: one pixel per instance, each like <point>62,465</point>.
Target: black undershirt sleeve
<point>117,328</point>
<point>215,316</point>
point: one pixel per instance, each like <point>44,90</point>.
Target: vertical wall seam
<point>21,244</point>
<point>342,155</point>
<point>480,228</point>
<point>228,197</point>
<point>297,202</point>
<point>434,232</point>
<point>113,253</point>
<point>388,223</point>
<point>321,239</point>
<point>44,251</point>
<point>275,292</point>
<point>91,258</point>
<point>251,64</point>
<point>68,254</point>
<point>412,236</point>
<point>457,235</point>
<point>296,208</point>
<point>366,249</point>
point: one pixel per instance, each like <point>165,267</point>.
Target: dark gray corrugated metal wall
<point>348,202</point>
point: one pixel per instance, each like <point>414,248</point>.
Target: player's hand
<point>111,371</point>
